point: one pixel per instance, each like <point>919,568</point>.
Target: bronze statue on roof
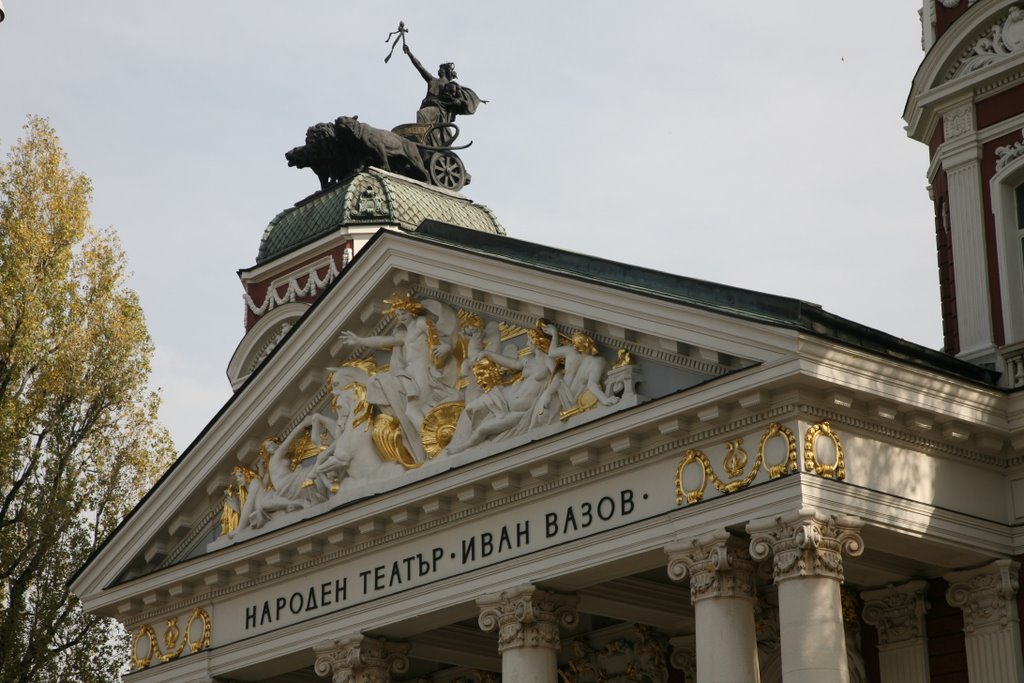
<point>445,99</point>
<point>423,150</point>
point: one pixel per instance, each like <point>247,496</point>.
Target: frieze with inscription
<point>470,546</point>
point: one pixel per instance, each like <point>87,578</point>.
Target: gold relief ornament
<point>439,427</point>
<point>734,462</point>
<point>234,498</point>
<point>173,648</point>
<point>403,302</point>
<point>835,470</point>
<point>303,448</point>
<point>387,438</point>
<point>367,365</point>
<point>789,464</point>
<point>622,359</point>
<point>692,494</point>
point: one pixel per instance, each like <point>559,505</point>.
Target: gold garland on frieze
<point>696,494</point>
<point>172,647</point>
<point>835,470</point>
<point>735,463</point>
<point>776,430</point>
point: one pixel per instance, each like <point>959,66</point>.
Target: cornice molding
<point>653,444</point>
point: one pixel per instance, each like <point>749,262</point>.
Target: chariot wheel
<point>447,171</point>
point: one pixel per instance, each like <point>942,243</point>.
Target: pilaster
<point>723,593</point>
<point>528,621</point>
<point>898,613</point>
<point>960,156</point>
<point>807,547</point>
<point>357,659</point>
<point>987,597</point>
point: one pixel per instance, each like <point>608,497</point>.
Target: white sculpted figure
<point>422,372</point>
<point>578,385</point>
<point>278,486</point>
<point>506,408</point>
<point>350,453</point>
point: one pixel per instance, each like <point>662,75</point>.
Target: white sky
<point>758,144</point>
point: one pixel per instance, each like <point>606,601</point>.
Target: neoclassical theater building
<point>454,456</point>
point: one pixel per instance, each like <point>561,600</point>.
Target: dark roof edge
<point>231,399</point>
<point>751,305</point>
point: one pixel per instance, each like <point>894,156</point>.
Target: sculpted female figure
<point>417,356</point>
<point>507,407</point>
<point>581,373</point>
<point>445,99</point>
<point>279,486</point>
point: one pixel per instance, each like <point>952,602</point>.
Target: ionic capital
<point>897,611</point>
<point>806,543</point>
<point>527,616</point>
<point>357,659</point>
<point>986,595</point>
<point>718,565</point>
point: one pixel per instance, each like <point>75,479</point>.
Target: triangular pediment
<point>433,351</point>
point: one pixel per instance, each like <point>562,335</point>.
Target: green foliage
<point>79,437</point>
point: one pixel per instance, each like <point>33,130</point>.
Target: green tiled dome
<point>371,197</point>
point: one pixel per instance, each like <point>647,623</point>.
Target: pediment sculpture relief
<point>438,384</point>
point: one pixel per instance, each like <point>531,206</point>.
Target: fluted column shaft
<point>898,614</point>
<point>357,659</point>
<point>808,567</point>
<point>723,594</point>
<point>987,597</point>
<point>528,621</point>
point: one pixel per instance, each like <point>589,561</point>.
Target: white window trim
<point>1002,187</point>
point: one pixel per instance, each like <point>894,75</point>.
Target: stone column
<point>898,614</point>
<point>527,620</point>
<point>357,659</point>
<point>723,595</point>
<point>987,596</point>
<point>808,567</point>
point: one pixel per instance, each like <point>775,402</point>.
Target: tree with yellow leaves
<point>79,437</point>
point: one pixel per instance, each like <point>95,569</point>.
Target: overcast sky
<point>758,144</point>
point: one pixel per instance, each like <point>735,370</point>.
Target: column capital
<point>684,656</point>
<point>527,616</point>
<point>806,543</point>
<point>897,611</point>
<point>718,565</point>
<point>986,594</point>
<point>357,659</point>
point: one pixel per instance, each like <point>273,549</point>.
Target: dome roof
<point>371,197</point>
